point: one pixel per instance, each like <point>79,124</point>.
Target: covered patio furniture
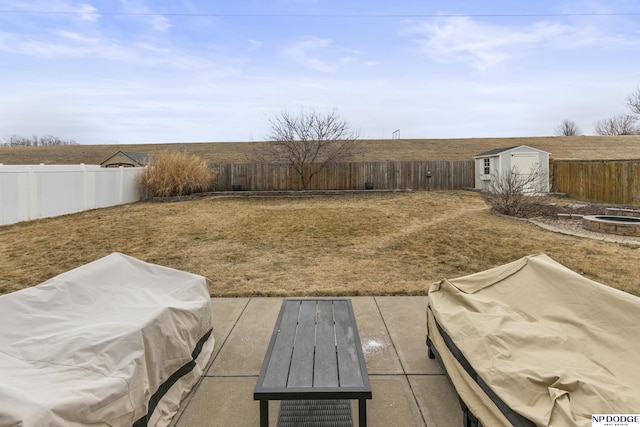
<point>115,342</point>
<point>533,343</point>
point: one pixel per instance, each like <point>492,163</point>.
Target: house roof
<point>142,158</point>
<point>498,151</point>
<point>139,158</point>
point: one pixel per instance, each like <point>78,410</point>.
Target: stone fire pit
<point>623,222</point>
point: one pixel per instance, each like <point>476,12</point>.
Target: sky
<point>159,71</point>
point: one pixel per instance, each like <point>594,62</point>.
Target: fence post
<point>85,186</point>
<point>121,177</point>
<point>32,193</point>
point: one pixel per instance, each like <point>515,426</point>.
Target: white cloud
<point>462,39</point>
<point>88,12</point>
<point>83,11</point>
<point>160,23</point>
<point>144,13</point>
<point>65,44</point>
<point>319,54</point>
<point>131,51</point>
<point>77,37</point>
<point>255,45</point>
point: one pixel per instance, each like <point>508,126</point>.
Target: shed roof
<point>497,151</point>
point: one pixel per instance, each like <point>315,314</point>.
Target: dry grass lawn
<point>351,244</point>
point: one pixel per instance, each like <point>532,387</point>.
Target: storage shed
<point>521,159</point>
<point>126,159</point>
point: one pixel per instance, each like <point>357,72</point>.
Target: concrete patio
<point>409,389</point>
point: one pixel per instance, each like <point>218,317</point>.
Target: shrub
<point>515,194</point>
<point>175,173</point>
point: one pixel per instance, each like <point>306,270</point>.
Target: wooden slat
<point>348,366</point>
<point>326,362</point>
<point>278,369</point>
<point>301,371</point>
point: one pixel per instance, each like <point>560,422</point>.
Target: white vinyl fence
<point>38,191</point>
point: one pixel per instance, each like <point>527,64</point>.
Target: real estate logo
<point>615,420</point>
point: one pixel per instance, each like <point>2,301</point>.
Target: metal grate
<point>315,413</point>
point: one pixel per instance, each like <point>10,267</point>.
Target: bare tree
<point>621,124</point>
<point>16,140</point>
<point>35,141</point>
<point>54,140</point>
<point>308,142</point>
<point>518,194</point>
<point>567,128</point>
<point>633,102</point>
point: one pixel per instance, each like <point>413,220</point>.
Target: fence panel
<point>444,175</point>
<point>59,190</point>
<point>14,195</point>
<point>40,191</point>
<point>604,181</point>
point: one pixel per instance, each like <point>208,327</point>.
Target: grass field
<point>581,148</point>
<point>350,244</point>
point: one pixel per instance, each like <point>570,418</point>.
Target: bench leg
<point>264,413</point>
<point>362,412</point>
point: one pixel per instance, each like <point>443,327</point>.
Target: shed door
<point>525,165</point>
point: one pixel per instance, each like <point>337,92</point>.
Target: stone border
<point>622,212</point>
<point>570,231</point>
<point>621,225</point>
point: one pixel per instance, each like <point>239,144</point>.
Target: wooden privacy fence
<point>416,175</point>
<point>605,181</point>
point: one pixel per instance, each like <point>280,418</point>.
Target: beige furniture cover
<point>117,342</point>
<point>552,345</point>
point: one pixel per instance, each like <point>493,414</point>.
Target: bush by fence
<point>39,191</point>
<point>416,175</point>
<point>176,173</point>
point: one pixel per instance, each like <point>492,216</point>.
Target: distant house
<point>521,159</point>
<point>126,159</point>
